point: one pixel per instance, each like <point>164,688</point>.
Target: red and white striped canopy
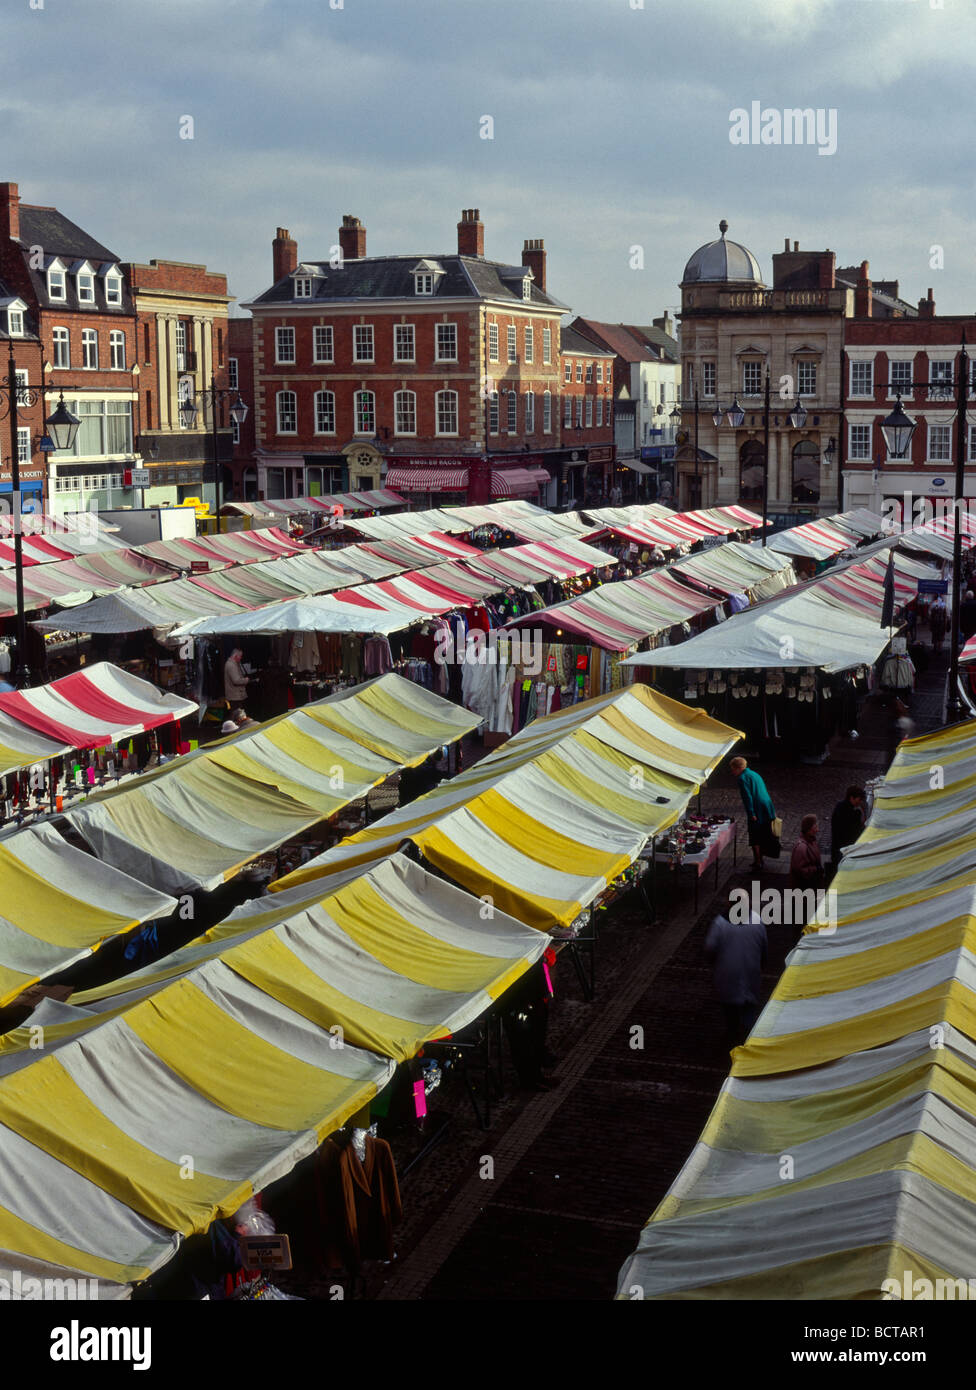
<point>428,479</point>
<point>88,709</point>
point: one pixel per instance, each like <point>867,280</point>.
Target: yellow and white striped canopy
<point>542,825</point>
<point>842,1149</point>
<point>58,904</point>
<point>197,821</point>
<point>165,1099</point>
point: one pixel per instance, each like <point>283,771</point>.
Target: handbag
<point>776,827</point>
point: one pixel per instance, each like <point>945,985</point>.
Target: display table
<point>718,839</point>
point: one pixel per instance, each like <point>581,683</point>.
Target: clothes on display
<point>358,1201</point>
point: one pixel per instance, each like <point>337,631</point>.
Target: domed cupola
<point>723,262</point>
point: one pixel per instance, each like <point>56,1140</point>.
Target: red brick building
<point>181,333</point>
<point>79,306</point>
<point>587,416</point>
<point>915,358</point>
<point>439,375</point>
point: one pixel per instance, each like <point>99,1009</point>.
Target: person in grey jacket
<point>735,945</point>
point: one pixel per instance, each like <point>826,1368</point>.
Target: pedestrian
<point>806,865</point>
<point>846,824</point>
<point>235,679</point>
<point>938,616</point>
<point>736,950</point>
<point>760,812</point>
<point>900,726</point>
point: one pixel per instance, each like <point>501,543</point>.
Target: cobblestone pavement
<point>579,1169</point>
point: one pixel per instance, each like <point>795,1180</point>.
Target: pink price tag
<point>545,971</point>
<point>419,1099</point>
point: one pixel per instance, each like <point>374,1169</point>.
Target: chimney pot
<point>10,210</point>
<point>534,259</point>
<point>352,238</point>
<point>796,246</point>
<point>471,233</point>
<point>284,254</point>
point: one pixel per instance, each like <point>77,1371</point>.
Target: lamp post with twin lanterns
<point>62,427</point>
<point>898,429</point>
<point>188,418</point>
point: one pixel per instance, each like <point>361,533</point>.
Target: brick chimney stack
<point>9,211</point>
<point>352,239</point>
<point>534,258</point>
<point>284,254</point>
<point>926,307</point>
<point>862,294</point>
<point>471,234</point>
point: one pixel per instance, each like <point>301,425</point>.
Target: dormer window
<point>15,316</point>
<point>113,289</point>
<point>527,287</point>
<point>85,281</point>
<point>303,287</point>
<point>56,284</point>
<point>425,276</point>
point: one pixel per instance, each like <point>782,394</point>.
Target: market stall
<point>125,1090</point>
<point>859,1068</point>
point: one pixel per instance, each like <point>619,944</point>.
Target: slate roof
<point>657,338</point>
<point>389,277</point>
<point>617,339</point>
<point>571,341</point>
<point>58,236</point>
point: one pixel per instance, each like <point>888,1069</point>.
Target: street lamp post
<point>898,429</point>
<point>676,415</point>
<point>188,415</point>
<point>62,426</point>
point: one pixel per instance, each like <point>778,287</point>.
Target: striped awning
<point>511,482</point>
<point>428,479</point>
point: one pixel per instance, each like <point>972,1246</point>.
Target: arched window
<point>365,412</point>
<point>806,472</point>
<point>751,471</point>
<point>405,412</point>
<point>287,412</point>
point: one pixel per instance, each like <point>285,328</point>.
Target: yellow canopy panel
<point>195,822</point>
<point>541,826</point>
<point>840,1158</point>
<point>304,1013</point>
<point>59,904</point>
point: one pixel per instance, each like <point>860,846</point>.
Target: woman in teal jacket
<point>760,812</point>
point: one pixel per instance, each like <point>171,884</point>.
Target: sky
<point>609,131</point>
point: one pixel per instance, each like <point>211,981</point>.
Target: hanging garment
<point>352,655</point>
<point>359,1203</point>
<point>377,656</point>
<point>304,654</point>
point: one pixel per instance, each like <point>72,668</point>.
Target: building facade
<point>77,298</point>
<point>181,337</point>
<point>914,360</point>
<point>438,375</point>
<point>735,330</point>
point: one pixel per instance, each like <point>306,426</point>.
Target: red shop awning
<point>427,479</point>
<point>516,482</point>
